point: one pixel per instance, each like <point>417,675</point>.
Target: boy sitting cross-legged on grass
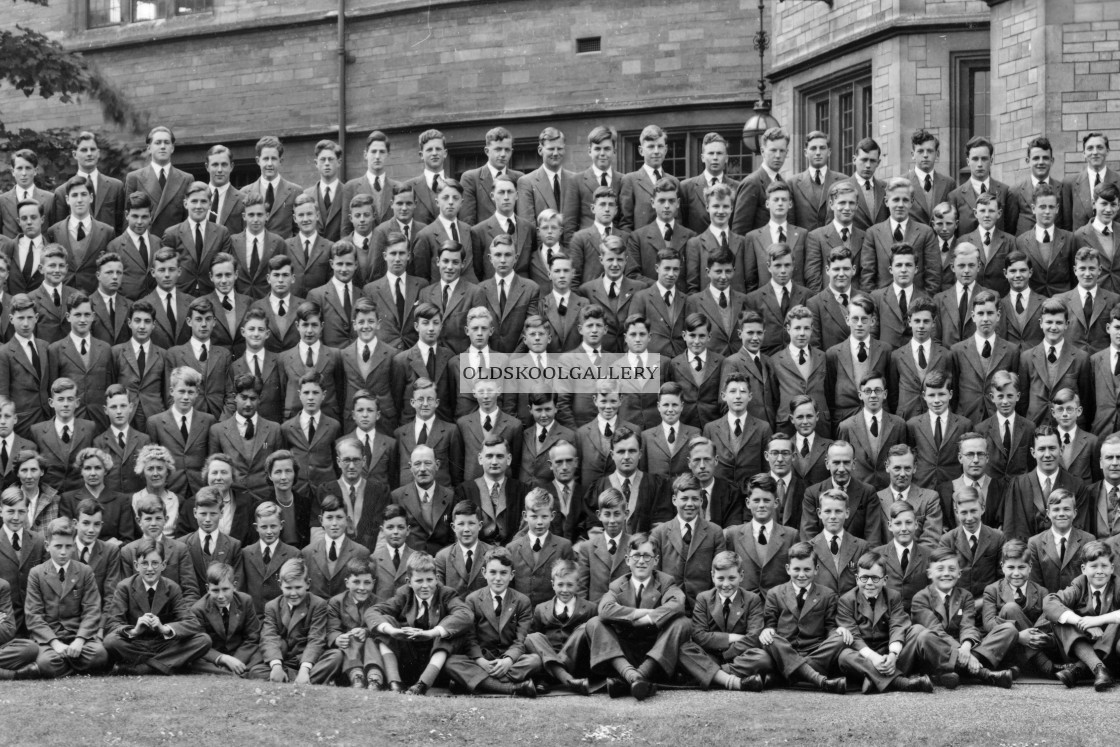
<point>347,630</point>
<point>1018,599</point>
<point>294,634</point>
<point>1085,616</point>
<point>558,634</point>
<point>228,617</point>
<point>419,627</point>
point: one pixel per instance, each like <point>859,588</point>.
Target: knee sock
<point>493,686</point>
<point>558,673</point>
<point>435,666</point>
<point>728,681</point>
<point>389,659</point>
<point>624,668</point>
<point>1084,651</point>
<point>649,669</point>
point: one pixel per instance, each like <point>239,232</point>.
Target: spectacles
<point>642,557</point>
<point>877,391</point>
<point>784,453</point>
<point>868,579</point>
<point>973,455</point>
<point>1066,408</point>
<point>149,563</point>
<point>350,460</point>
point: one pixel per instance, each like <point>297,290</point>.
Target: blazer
<point>299,635</point>
<point>689,566</point>
<point>535,193</point>
<point>822,240</point>
<point>598,567</point>
<point>876,260</point>
<point>105,562</point>
<point>52,324</point>
<point>522,299</point>
<point>1019,216</point>
<point>167,201</point>
<point>694,208</point>
<point>1088,335</point>
<point>177,567</point>
<point>555,631</point>
<point>81,259</point>
<point>123,478</point>
<point>26,385</point>
<point>868,215</point>
<point>1024,505</point>
<point>214,371</point>
<point>643,244</point>
<point>750,211</point>
<point>452,570</point>
<point>971,372</point>
<point>328,363</point>
<point>227,324</point>
<point>1048,567</point>
<point>1050,278</point>
<point>927,610</point>
<point>462,299</point>
<point>248,456</point>
<point>993,258</point>
<point>764,566</point>
<point>477,184</point>
<point>873,625</point>
<point>868,464</point>
<point>62,609</point>
<point>15,568</point>
<point>759,242</point>
<point>398,331</point>
<point>527,261</point>
<point>616,309</point>
<point>578,196</point>
<point>108,201</point>
<point>927,512</point>
<point>999,593</point>
<point>501,528</point>
<point>429,536</point>
<point>310,269</point>
<point>280,221</point>
<point>724,337</point>
<point>445,441</point>
<point>865,517</point>
<point>9,215</point>
<point>923,203</point>
<point>382,199</point>
<point>165,334</point>
<point>838,572</point>
<point>764,386</point>
<point>189,454</point>
<point>662,601</point>
<point>1076,598</point>
<point>230,210</point>
<point>242,530</point>
<point>377,380</point>
<point>533,570</point>
<point>337,327</point>
<point>254,284</point>
<point>704,244</point>
<point>472,437</point>
<point>979,568</point>
<point>991,489</point>
<point>790,382</point>
<point>401,608</point>
<point>810,201</point>
<point>1109,278</point>
<point>1077,198</point>
<point>225,549</point>
<point>766,302</point>
<point>947,321</point>
<point>713,633</point>
<point>110,326</point>
<point>1071,370</point>
<point>636,198</point>
<point>170,604</point>
<point>652,504</point>
<point>137,281</point>
<point>194,275</point>
<point>240,638</point>
<point>812,468</point>
<point>701,388</point>
<point>893,328</point>
<point>388,579</point>
<point>963,199</point>
<point>659,457</point>
<point>1023,329</point>
<point>904,398</point>
<point>830,320</point>
<point>330,217</point>
<point>564,328</point>
<point>584,250</point>
<point>934,464</point>
<point>738,466</point>
<point>118,520</point>
<point>262,581</point>
<point>841,380</point>
<point>496,638</point>
<point>58,457</point>
<point>320,576</point>
<point>804,628</point>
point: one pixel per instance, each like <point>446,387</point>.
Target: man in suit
<point>898,228</point>
<point>165,185</point>
<point>24,169</point>
<point>83,238</point>
<point>1089,304</point>
<point>52,297</point>
<point>762,542</point>
<point>572,518</point>
<point>639,188</point>
<point>502,220</point>
<point>930,187</point>
<point>108,195</point>
<point>801,369</point>
<point>308,250</point>
<point>327,191</point>
<point>872,431</point>
<point>25,252</point>
<point>451,294</point>
<point>59,439</point>
<point>810,188</point>
<point>778,230</point>
<point>750,197</point>
<point>227,206</point>
<point>396,296</point>
<point>310,354</point>
<point>662,305</point>
<point>660,455</point>
<point>426,429</point>
<point>110,308</point>
<point>978,157</point>
<point>23,367</point>
<point>992,244</point>
<point>170,303</point>
<point>229,306</point>
<point>248,439</point>
<point>716,238</point>
<point>559,308</point>
<point>135,247</point>
<point>810,449</point>
<point>479,183</point>
<point>720,303</point>
<point>839,232</point>
<point>279,193</point>
<point>694,200</point>
<point>337,296</point>
<point>935,433</point>
<point>1049,248</point>
<point>544,187</point>
<point>254,248</point>
<point>871,207</point>
<point>1025,506</point>
<point>829,306</point>
<point>427,503</point>
<point>663,232</point>
<point>1079,192</point>
<point>259,361</point>
<point>1052,365</point>
<point>838,552</point>
<point>776,298</point>
<point>1020,318</point>
<point>915,358</point>
<point>1099,234</point>
<point>865,517</point>
<point>200,353</point>
<point>925,502</point>
<point>509,297</point>
<point>647,496</point>
<point>610,297</point>
<point>184,431</point>
<point>375,182</point>
<point>84,359</point>
<point>580,196</point>
<point>1040,159</point>
<point>739,438</point>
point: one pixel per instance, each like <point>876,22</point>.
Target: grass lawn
<point>209,710</point>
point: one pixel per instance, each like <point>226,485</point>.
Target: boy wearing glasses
<point>872,431</point>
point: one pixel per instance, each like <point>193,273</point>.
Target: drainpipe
<point>342,87</point>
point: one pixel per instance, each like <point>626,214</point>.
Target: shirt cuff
<point>1068,618</point>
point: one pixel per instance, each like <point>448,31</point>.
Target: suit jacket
<point>662,601</point>
<point>1048,567</point>
<point>875,270</point>
<point>616,309</point>
<point>868,215</point>
<point>377,380</point>
<point>533,570</point>
<point>189,455</point>
<point>462,299</point>
<point>522,299</point>
<point>790,382</point>
<point>947,320</point>
<point>165,334</point>
<point>750,210</point>
<point>927,610</point>
<point>999,593</point>
<point>598,568</point>
<point>9,212</point>
<point>1022,330</point>
<point>123,478</point>
<point>227,324</point>
<point>830,320</point>
<point>724,334</point>
<point>328,363</point>
<point>118,520</point>
<point>923,203</point>
<point>108,204</point>
<point>111,328</point>
<point>171,605</point>
<point>524,245</point>
<point>137,281</point>
<point>81,259</point>
<point>812,468</point>
<point>177,566</point>
<point>760,240</point>
<point>963,198</point>
<point>272,395</point>
<point>27,386</point>
<point>534,194</point>
<point>225,549</point>
<point>445,610</point>
<point>738,466</point>
<point>766,302</point>
<point>643,244</point>
<point>105,562</point>
<point>1056,276</point>
<point>452,570</point>
<point>240,638</point>
<point>382,199</point>
<point>651,502</point>
<point>875,625</point>
<point>993,258</point>
<point>280,221</point>
<point>660,457</point>
<point>1024,505</point>
<point>927,512</point>
<point>495,638</point>
<point>1072,370</point>
<point>893,328</point>
<point>578,197</point>
<point>1019,216</point>
<point>501,528</point>
<point>764,566</point>
<point>167,201</point>
<point>1106,394</point>
<point>1076,598</point>
<point>704,244</point>
<point>906,583</point>
<point>338,330</point>
<point>904,398</point>
<point>635,208</point>
<point>584,249</point>
<point>558,632</point>
<point>971,373</point>
<point>316,459</point>
<point>445,441</point>
<point>979,568</point>
<point>396,331</point>
<point>477,184</point>
<point>254,284</point>
<point>330,218</point>
<point>841,380</point>
<point>248,456</point>
<point>1091,335</point>
<point>868,465</point>
<point>807,627</point>
<point>52,324</point>
<point>214,371</point>
<point>262,582</point>
<point>1077,198</point>
<point>15,568</point>
<point>194,277</point>
<point>229,211</point>
<point>666,325</point>
<point>320,575</point>
<point>822,240</point>
<point>1109,278</point>
<point>429,536</point>
<point>690,566</point>
<point>62,609</point>
<point>865,517</point>
<point>810,201</point>
<point>388,579</point>
<point>838,572</point>
<point>764,386</point>
<point>58,457</point>
<point>473,437</point>
<point>297,637</point>
<point>701,392</point>
<point>694,208</point>
<point>310,269</point>
<point>935,464</point>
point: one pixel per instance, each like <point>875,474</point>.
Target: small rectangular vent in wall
<point>589,44</point>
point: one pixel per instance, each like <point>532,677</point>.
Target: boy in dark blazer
<point>935,434</point>
<point>195,255</point>
<point>1015,598</point>
<point>390,560</point>
<point>229,306</point>
<point>84,359</point>
<point>536,549</point>
<point>697,371</point>
<point>200,353</point>
<point>602,558</point>
<point>183,431</point>
<point>687,543</point>
<point>248,439</point>
<point>294,633</point>
<point>103,557</point>
<point>872,431</point>
<point>367,368</point>
<point>169,302</point>
<point>279,306</point>
<point>1009,435</point>
<point>164,184</point>
<point>977,544</point>
<point>558,633</point>
<point>1084,617</point>
<point>762,543</point>
<point>1054,552</point>
<point>904,559</point>
<point>147,384</point>
<point>362,665</point>
<point>20,549</point>
<point>23,366</point>
<point>660,231</point>
<point>227,617</point>
<point>256,360</point>
<point>264,558</point>
<point>254,249</point>
<point>459,565</point>
<point>310,435</point>
<point>151,517</point>
<point>327,555</point>
<point>59,439</point>
<point>208,544</point>
<point>837,550</point>
<point>336,297</point>
<point>659,455</point>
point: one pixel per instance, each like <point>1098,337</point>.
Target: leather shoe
<point>418,689</point>
<point>1070,675</point>
<point>580,686</point>
<point>949,680</point>
<point>357,680</point>
<point>525,690</point>
<point>395,687</point>
<point>751,684</point>
<point>642,689</point>
<point>1000,678</point>
<point>617,688</point>
<point>836,686</point>
<point>919,684</point>
<point>1102,680</point>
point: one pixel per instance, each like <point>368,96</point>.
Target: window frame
<point>855,81</point>
<point>962,108</point>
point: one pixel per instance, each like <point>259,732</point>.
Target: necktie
<point>226,303</point>
<point>85,555</point>
<point>817,177</point>
<point>762,536</point>
<point>562,308</point>
<point>511,229</point>
<point>151,598</point>
<point>723,299</point>
<point>396,558</point>
<point>455,231</point>
<point>257,366</point>
<point>1045,237</point>
<point>267,556</point>
<point>214,199</point>
<point>56,297</point>
<point>800,599</point>
<point>487,425</point>
<point>603,180</point>
<point>1106,232</point>
<point>867,185</point>
<point>804,447</point>
<point>311,433</point>
<point>400,299</point>
<point>902,307</point>
<point>1020,597</point>
<point>65,434</point>
<point>987,238</point>
<point>945,248</point>
<point>197,240</point>
<point>497,606</point>
<point>861,356</point>
<point>566,495</point>
<point>120,441</point>
<point>15,542</point>
<point>613,293</point>
<point>327,198</point>
<point>333,554</point>
<point>430,364</point>
<point>987,351</point>
<point>1088,309</point>
<point>946,610</point>
<point>834,545</point>
<point>922,361</point>
<point>1053,356</point>
<point>962,312</point>
<point>1096,600</point>
<point>3,457</point>
<point>502,297</point>
<point>446,293</point>
<point>281,310</point>
<point>928,183</point>
<point>1007,435</point>
<point>83,351</point>
<point>163,179</point>
<point>699,364</point>
<point>781,234</point>
<point>347,308</point>
<point>625,487</point>
<point>250,430</point>
<point>1062,550</point>
<point>596,360</point>
<point>206,545</point>
<point>801,359</point>
<point>785,301</point>
<point>183,428</point>
<point>307,249</point>
<point>202,354</point>
<point>875,426</point>
<point>844,300</point>
<point>269,197</point>
<point>310,358</point>
<point>983,188</point>
<point>937,432</point>
<point>657,175</point>
<point>544,435</point>
<point>687,536</point>
<point>972,544</point>
<point>422,439</point>
<point>898,236</point>
<point>422,620</point>
<point>143,252</point>
<point>225,620</point>
<point>367,456</point>
<point>1019,303</point>
<point>406,227</point>
<point>612,547</point>
<point>377,184</point>
<point>170,309</point>
<point>844,234</point>
<point>738,428</point>
<point>672,435</point>
<point>81,232</point>
<point>556,190</point>
<point>62,578</point>
<point>668,234</point>
<point>537,544</point>
<point>781,493</point>
<point>1047,488</point>
<point>905,559</point>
